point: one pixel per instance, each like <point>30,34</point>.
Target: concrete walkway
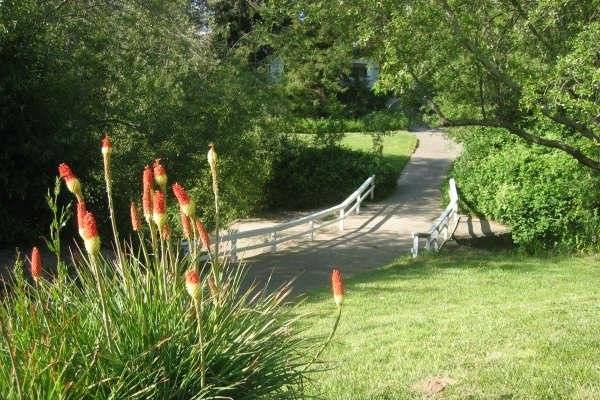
<point>375,237</point>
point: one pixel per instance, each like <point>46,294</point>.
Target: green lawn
<point>500,326</point>
<point>397,146</point>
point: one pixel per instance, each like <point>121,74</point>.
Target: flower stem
<point>102,299</point>
<point>13,361</point>
<point>111,211</point>
<point>197,308</point>
<point>335,326</point>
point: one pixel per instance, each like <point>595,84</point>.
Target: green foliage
<point>71,72</point>
<point>310,177</point>
<point>546,197</point>
<point>150,323</point>
<point>252,345</point>
<point>520,65</point>
<point>376,121</point>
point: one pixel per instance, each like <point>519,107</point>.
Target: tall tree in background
<point>141,71</point>
<point>529,67</point>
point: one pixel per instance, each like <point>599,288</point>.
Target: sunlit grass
<point>501,325</point>
<point>397,146</point>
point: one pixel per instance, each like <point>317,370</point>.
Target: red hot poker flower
<point>204,237</point>
<point>192,284</point>
<point>65,172</point>
<point>160,175</point>
<point>147,205</point>
<point>81,210</point>
<point>106,146</point>
<point>90,234</point>
<point>36,264</point>
<point>159,209</point>
<point>185,203</point>
<point>337,284</point>
<point>185,224</point>
<point>136,224</point>
<point>147,181</point>
<point>73,184</point>
<point>90,228</point>
<point>147,178</point>
<point>166,232</point>
<point>181,194</point>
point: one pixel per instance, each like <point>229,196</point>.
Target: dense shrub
<point>309,176</point>
<point>377,121</point>
<point>545,196</point>
<point>148,321</point>
<point>137,70</point>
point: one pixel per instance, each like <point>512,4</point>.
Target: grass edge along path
<point>398,146</point>
<point>466,325</point>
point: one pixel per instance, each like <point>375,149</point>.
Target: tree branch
<point>572,151</point>
<point>563,119</point>
<point>475,51</point>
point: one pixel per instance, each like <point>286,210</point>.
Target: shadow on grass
<point>459,259</point>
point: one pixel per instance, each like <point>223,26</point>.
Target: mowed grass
<point>497,325</point>
<point>397,146</point>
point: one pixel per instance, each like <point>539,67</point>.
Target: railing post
<point>341,223</point>
<point>358,204</point>
<point>415,247</point>
<point>373,190</point>
<point>312,229</point>
<point>273,241</point>
<point>233,239</point>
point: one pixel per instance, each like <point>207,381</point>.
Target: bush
<point>377,121</point>
<point>67,78</point>
<point>306,177</point>
<point>124,327</point>
<point>545,196</point>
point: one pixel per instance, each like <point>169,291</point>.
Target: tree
<point>529,67</point>
<point>72,71</point>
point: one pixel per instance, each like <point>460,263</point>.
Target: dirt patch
<point>433,386</point>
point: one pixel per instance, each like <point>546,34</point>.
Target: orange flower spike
<point>147,181</point>
<point>91,238</point>
<point>160,175</point>
<point>81,210</point>
<point>72,182</point>
<point>159,208</point>
<point>212,158</point>
<point>185,203</point>
<point>185,224</point>
<point>106,147</point>
<point>136,224</point>
<point>337,284</point>
<point>166,232</point>
<point>36,264</point>
<point>192,284</point>
<point>204,237</point>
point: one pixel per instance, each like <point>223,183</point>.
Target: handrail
<point>274,233</point>
<point>441,226</point>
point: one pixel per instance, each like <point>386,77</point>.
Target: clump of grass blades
<point>125,326</point>
<point>252,346</point>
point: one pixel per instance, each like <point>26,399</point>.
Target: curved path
<point>375,237</point>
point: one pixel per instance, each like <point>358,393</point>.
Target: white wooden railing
<point>442,228</point>
<point>276,234</point>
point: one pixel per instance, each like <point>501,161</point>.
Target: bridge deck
<point>378,235</point>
